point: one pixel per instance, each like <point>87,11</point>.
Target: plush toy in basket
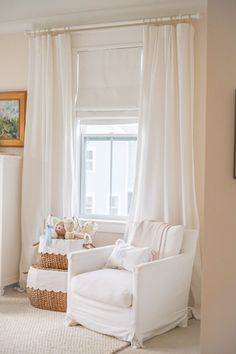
<point>68,228</point>
<point>61,237</point>
<point>47,279</point>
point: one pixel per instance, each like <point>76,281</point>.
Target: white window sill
<point>109,226</point>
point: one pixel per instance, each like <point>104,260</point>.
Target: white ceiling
<point>17,15</point>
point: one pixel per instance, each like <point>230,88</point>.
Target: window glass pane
<point>89,154</point>
<point>115,205</point>
<point>97,183</point>
<point>107,169</point>
<point>123,163</point>
<point>90,159</point>
<point>89,204</point>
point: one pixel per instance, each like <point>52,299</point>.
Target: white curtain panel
<point>165,187</point>
<point>48,168</point>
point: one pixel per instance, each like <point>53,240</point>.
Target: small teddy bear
<point>60,230</point>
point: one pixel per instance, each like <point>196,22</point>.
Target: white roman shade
<point>108,82</point>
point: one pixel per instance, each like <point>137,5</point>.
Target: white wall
<point>13,69</point>
<point>218,335</point>
<point>200,112</point>
<point>104,238</point>
<point>18,15</point>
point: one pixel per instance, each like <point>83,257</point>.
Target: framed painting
<point>12,118</point>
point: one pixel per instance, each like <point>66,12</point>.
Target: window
<point>107,107</point>
<point>112,180</point>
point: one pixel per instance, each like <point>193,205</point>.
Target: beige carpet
<point>26,330</point>
<point>177,341</point>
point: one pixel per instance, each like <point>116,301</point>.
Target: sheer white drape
<point>48,168</point>
<point>165,187</point>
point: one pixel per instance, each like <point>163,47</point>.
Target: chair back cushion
<point>163,238</point>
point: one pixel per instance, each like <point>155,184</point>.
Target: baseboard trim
<point>10,280</point>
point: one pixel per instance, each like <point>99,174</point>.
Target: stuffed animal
<point>77,224</point>
<point>89,227</point>
<point>50,223</point>
<point>49,229</point>
<point>70,226</point>
<point>88,243</point>
<point>60,229</point>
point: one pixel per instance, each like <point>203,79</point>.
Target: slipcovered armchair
<point>133,306</point>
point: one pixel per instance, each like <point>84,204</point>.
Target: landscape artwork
<point>9,119</point>
<point>12,118</point>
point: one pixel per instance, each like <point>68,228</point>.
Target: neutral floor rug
<point>26,330</point>
<point>177,341</point>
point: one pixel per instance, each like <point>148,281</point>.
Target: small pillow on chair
<point>125,256</point>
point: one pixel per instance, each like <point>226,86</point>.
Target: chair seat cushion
<point>109,286</point>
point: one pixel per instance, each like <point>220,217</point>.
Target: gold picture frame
<point>234,173</point>
<point>12,118</point>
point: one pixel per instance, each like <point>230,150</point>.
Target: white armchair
<point>132,306</point>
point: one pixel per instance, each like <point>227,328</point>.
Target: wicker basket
<point>51,260</point>
<point>55,255</point>
<point>46,299</point>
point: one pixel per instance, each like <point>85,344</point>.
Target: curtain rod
<point>116,24</point>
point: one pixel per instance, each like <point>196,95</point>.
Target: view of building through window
<point>89,204</point>
<point>90,160</point>
<point>108,157</point>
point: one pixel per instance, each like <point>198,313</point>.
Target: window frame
<point>99,137</point>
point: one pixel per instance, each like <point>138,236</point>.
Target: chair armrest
<point>162,287</point>
<point>87,260</point>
